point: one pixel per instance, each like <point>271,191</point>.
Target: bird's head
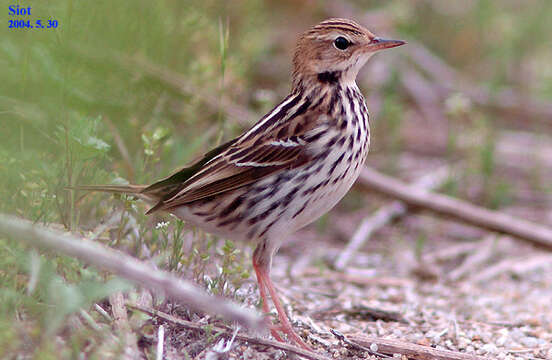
<point>335,50</point>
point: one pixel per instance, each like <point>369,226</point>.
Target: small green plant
<point>47,290</point>
<point>152,142</point>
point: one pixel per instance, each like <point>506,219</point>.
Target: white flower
<point>162,225</point>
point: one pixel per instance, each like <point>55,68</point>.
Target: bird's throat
<point>329,77</point>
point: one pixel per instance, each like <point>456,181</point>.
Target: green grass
<point>69,106</point>
<point>75,108</point>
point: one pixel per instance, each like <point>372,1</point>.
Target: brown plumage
<point>292,166</point>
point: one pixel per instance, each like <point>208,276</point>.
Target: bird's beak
<point>380,44</point>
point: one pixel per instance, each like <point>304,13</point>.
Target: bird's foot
<point>291,334</point>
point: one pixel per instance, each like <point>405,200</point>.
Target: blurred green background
<point>127,91</point>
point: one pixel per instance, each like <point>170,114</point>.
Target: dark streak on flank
<point>252,232</point>
<point>263,233</point>
<point>334,165</point>
<point>232,207</point>
<point>333,141</point>
<point>300,210</point>
<point>290,196</point>
<point>232,220</point>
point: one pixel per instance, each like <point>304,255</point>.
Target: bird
<point>290,167</point>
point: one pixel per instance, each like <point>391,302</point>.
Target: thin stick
<point>129,268</point>
<point>470,265</point>
<point>384,215</point>
<point>414,351</point>
<point>535,234</point>
<point>259,341</point>
<point>516,265</point>
<point>160,341</point>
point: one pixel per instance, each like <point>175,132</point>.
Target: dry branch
<point>412,351</point>
<point>128,268</point>
<point>253,340</point>
<point>536,234</point>
<point>384,215</point>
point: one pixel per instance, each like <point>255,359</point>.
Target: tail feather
<point>127,189</point>
<point>137,190</point>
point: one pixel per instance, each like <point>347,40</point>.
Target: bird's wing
<point>249,158</point>
<point>170,185</point>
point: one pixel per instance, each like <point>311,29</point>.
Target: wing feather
<point>248,159</point>
<point>236,174</point>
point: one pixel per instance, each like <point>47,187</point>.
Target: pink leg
<point>266,310</point>
<point>263,279</point>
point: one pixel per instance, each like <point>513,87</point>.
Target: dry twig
<point>384,215</point>
<point>412,351</point>
<point>450,252</point>
<point>371,280</point>
<point>127,267</point>
<point>483,253</point>
<point>443,205</point>
<point>253,340</point>
<point>518,266</point>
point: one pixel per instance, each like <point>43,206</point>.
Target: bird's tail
<point>126,189</point>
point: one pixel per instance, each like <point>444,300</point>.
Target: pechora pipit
<point>292,166</point>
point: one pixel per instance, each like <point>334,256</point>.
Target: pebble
<point>501,341</point>
<point>463,343</point>
<point>529,341</point>
<point>490,348</point>
<point>517,334</point>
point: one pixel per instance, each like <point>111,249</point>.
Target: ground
<point>465,290</point>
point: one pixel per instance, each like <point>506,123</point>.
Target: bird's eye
<point>341,43</point>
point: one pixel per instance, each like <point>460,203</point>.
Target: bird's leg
<point>262,290</point>
<point>282,316</point>
<point>263,278</point>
